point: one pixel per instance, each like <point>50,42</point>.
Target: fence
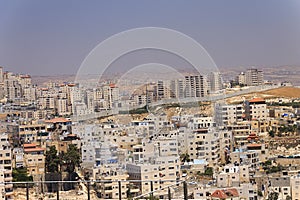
<point>96,189</point>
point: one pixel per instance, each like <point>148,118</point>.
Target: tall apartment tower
<point>190,86</point>
<point>167,89</point>
<point>215,81</point>
<point>6,189</point>
<point>1,75</point>
<point>254,77</point>
<point>241,79</point>
<point>2,92</point>
<point>111,94</point>
<point>195,86</point>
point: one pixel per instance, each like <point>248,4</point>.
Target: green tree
<point>273,196</point>
<point>271,133</point>
<point>52,160</point>
<point>267,163</point>
<point>209,171</point>
<point>71,158</point>
<point>185,157</point>
<point>21,175</point>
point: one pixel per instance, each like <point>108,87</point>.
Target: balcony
<point>9,193</point>
<point>8,172</point>
<point>8,179</point>
<point>215,156</point>
<point>108,190</point>
<point>8,186</point>
<point>136,190</point>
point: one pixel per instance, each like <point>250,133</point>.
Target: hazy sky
<point>53,37</point>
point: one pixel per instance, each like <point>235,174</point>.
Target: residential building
<point>295,187</point>
<point>229,114</point>
<point>1,75</point>
<point>261,149</point>
<point>215,81</point>
<point>280,185</point>
<point>34,161</point>
<point>162,172</point>
<point>244,191</point>
<point>204,144</point>
<point>12,87</point>
<point>233,176</point>
<point>28,133</point>
<point>192,86</point>
<point>196,86</point>
<point>244,157</point>
<point>241,79</point>
<point>201,122</point>
<point>109,175</point>
<point>6,188</point>
<point>254,77</point>
<point>111,95</point>
<point>62,107</point>
<point>256,109</point>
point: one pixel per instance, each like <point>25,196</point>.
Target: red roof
<point>223,194</point>
<point>233,191</point>
<point>112,85</point>
<point>25,76</point>
<point>252,136</point>
<point>254,145</point>
<point>57,120</point>
<point>29,145</point>
<point>257,100</point>
<point>71,135</point>
<point>33,150</point>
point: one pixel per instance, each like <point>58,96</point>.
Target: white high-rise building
<point>215,80</point>
<point>254,77</point>
<point>1,74</point>
<point>241,78</point>
<point>295,185</point>
<point>12,89</point>
<point>30,93</point>
<point>2,92</point>
<point>62,106</point>
<point>111,95</point>
<point>195,86</point>
<point>24,80</point>
<point>204,145</point>
<point>5,168</point>
<point>190,87</point>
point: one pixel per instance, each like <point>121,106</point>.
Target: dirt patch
<point>289,92</point>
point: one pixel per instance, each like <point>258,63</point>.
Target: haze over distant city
<point>54,37</point>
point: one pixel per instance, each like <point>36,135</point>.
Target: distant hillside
<point>275,74</point>
<point>43,80</point>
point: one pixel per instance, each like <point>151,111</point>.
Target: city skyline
<point>150,99</point>
<point>54,37</point>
